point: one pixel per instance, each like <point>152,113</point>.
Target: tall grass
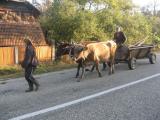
<point>16,71</point>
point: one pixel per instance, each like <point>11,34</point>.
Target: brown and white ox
<point>74,53</point>
<point>96,53</point>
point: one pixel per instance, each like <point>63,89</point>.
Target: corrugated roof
<point>14,26</point>
<point>19,6</point>
<point>14,34</point>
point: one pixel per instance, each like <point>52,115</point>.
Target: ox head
<point>63,49</point>
<point>75,51</point>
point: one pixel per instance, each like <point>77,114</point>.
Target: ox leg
<point>92,67</point>
<point>83,71</point>
<point>113,64</point>
<point>104,66</point>
<point>97,68</point>
<point>78,68</point>
<point>111,69</point>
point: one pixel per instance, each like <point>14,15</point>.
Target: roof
<point>13,34</point>
<point>18,6</point>
<point>18,20</point>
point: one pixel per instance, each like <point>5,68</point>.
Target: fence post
<point>53,52</point>
<point>16,54</point>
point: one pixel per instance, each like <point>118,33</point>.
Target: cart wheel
<point>132,63</point>
<point>152,58</point>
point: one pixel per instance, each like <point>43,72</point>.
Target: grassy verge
<point>8,72</point>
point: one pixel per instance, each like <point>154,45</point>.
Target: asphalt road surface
<point>125,95</point>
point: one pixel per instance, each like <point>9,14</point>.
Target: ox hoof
<point>77,75</point>
<point>91,70</point>
<point>87,69</point>
<point>109,73</point>
<point>78,80</point>
<point>100,75</point>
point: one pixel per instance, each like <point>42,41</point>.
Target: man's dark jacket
<point>29,54</point>
<point>119,37</point>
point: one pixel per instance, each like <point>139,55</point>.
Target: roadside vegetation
<point>8,72</point>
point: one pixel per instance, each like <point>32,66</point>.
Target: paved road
<point>115,97</point>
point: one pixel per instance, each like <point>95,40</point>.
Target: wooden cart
<point>129,55</point>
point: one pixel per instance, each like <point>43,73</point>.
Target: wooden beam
<point>16,54</point>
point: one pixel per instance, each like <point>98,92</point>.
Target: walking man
<point>29,64</point>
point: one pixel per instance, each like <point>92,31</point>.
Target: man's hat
<point>27,39</point>
<point>118,27</point>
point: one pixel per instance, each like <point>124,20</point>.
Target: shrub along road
<point>126,95</point>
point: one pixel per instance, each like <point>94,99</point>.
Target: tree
<point>155,4</point>
<point>78,20</point>
<point>151,9</point>
<point>153,16</point>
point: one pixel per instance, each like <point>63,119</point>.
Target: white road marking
<point>29,115</point>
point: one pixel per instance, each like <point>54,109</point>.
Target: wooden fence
<point>7,56</point>
<point>15,55</point>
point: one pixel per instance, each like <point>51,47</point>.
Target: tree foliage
<point>78,20</point>
<point>152,14</point>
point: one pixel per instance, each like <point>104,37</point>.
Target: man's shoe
<point>29,90</point>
